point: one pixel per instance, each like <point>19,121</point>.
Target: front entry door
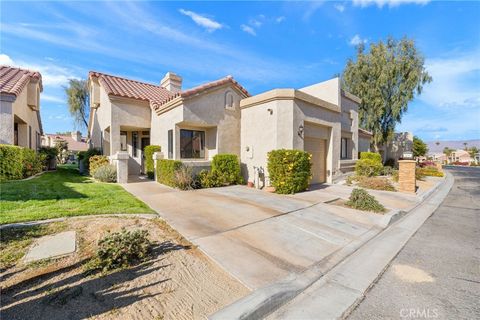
<point>317,147</point>
<point>145,142</point>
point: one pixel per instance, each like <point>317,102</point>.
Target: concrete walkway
<point>258,237</point>
<point>52,246</point>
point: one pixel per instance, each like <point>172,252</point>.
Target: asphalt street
<point>437,274</point>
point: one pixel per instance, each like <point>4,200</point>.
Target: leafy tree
<point>62,150</point>
<point>419,148</point>
<point>447,151</point>
<point>78,100</point>
<point>472,151</point>
<point>387,77</point>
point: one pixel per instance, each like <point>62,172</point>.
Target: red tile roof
<point>73,144</point>
<point>121,87</point>
<point>203,87</point>
<point>13,80</point>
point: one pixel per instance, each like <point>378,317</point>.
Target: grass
<point>63,193</point>
<point>15,241</point>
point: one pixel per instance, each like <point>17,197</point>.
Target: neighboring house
<point>460,155</point>
<point>20,122</point>
<point>437,156</point>
<point>394,149</point>
<point>74,140</point>
<point>364,140</point>
<point>221,117</point>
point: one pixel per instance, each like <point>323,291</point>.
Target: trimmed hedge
<point>226,167</point>
<point>166,170</point>
<point>289,170</point>
<point>85,156</point>
<point>97,162</point>
<point>18,163</point>
<point>149,162</point>
<point>370,164</point>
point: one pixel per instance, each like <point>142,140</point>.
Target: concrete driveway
<point>259,237</point>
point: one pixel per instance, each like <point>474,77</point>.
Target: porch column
<point>156,156</point>
<point>114,139</point>
<point>120,161</point>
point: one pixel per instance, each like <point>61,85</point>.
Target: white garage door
<point>317,147</point>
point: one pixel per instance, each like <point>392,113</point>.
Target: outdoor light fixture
<point>300,131</point>
<point>270,110</point>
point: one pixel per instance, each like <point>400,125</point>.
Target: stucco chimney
<point>172,82</point>
<point>76,135</point>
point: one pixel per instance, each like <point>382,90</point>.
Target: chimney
<point>172,82</point>
<point>76,135</point>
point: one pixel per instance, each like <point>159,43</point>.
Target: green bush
<point>370,164</point>
<point>96,162</point>
<point>85,156</point>
<point>120,250</point>
<point>49,152</point>
<point>106,173</point>
<point>362,200</point>
<point>209,179</point>
<point>33,162</point>
<point>149,162</point>
<point>166,171</point>
<point>227,169</point>
<point>11,162</point>
<point>289,170</point>
<point>428,171</point>
<point>387,170</point>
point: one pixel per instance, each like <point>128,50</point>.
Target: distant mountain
<point>432,146</point>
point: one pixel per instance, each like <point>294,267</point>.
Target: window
<point>134,143</point>
<point>343,149</point>
<point>229,100</point>
<point>170,144</point>
<point>192,144</point>
<point>37,140</point>
<point>30,137</point>
<point>15,134</point>
<point>123,140</point>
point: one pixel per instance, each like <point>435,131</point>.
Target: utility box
<point>406,176</point>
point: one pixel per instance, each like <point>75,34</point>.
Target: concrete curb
<point>335,293</point>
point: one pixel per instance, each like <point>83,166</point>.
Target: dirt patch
<point>178,282</point>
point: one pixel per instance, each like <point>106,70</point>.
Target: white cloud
<point>5,60</point>
<point>248,29</point>
<point>255,23</point>
<point>389,3</point>
<point>207,23</point>
<point>50,98</point>
<point>339,7</point>
<point>456,81</point>
<point>280,19</point>
<point>356,40</point>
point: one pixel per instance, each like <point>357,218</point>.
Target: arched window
<point>229,100</point>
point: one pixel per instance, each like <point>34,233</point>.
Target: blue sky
<point>264,45</point>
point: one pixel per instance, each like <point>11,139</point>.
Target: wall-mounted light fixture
<point>300,131</point>
<point>270,110</point>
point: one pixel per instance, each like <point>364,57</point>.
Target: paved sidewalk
<point>437,273</point>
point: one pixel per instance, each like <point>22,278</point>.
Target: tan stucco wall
<point>206,112</point>
<point>349,123</point>
<point>19,108</point>
<point>327,90</point>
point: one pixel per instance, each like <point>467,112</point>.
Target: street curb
<point>273,298</point>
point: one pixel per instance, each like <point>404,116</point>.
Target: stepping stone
<point>53,246</point>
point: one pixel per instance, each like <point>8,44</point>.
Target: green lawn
<point>63,193</point>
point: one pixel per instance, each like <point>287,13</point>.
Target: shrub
<point>289,170</point>
<point>209,179</point>
<point>184,178</point>
<point>427,164</point>
<point>387,171</point>
<point>11,162</point>
<point>149,162</point>
<point>227,169</point>
<point>106,173</point>
<point>121,249</point>
<point>166,171</point>
<point>428,171</point>
<point>33,162</point>
<point>370,164</point>
<point>389,163</point>
<point>84,156</point>
<point>49,152</point>
<point>460,163</point>
<point>375,183</point>
<point>395,175</point>
<point>362,200</point>
<point>97,162</point>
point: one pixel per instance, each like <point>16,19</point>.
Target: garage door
<point>317,147</point>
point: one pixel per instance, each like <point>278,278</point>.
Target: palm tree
<point>465,144</point>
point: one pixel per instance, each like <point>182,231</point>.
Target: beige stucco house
<point>221,117</point>
<point>20,122</point>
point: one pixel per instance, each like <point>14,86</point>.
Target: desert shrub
<point>370,164</point>
<point>362,200</point>
<point>375,183</point>
<point>85,156</point>
<point>106,173</point>
<point>184,178</point>
<point>390,162</point>
<point>227,169</point>
<point>96,162</point>
<point>387,170</point>
<point>149,162</point>
<point>289,170</point>
<point>120,250</point>
<point>33,162</point>
<point>166,171</point>
<point>428,171</point>
<point>350,179</point>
